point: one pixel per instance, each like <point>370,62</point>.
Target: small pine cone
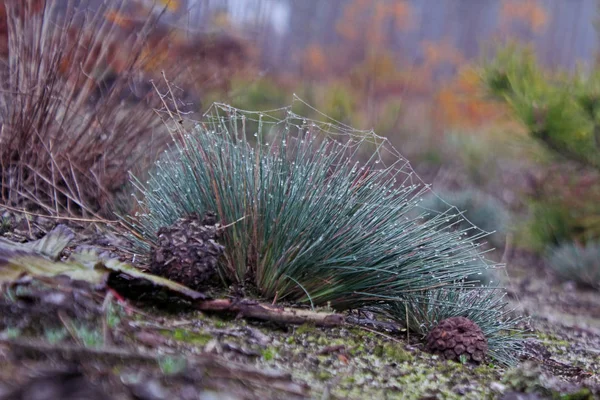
<point>187,251</point>
<point>456,336</point>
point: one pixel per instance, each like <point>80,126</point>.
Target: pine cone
<point>187,251</point>
<point>456,336</point>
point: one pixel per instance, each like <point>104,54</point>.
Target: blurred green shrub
<point>387,120</point>
<point>512,70</point>
<point>339,103</point>
<point>550,224</point>
<point>564,206</point>
<point>579,263</point>
<point>260,94</point>
<point>479,156</point>
<point>562,112</point>
<point>559,110</point>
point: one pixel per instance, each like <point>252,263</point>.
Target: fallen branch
<point>267,312</point>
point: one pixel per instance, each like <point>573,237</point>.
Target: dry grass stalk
<point>69,132</point>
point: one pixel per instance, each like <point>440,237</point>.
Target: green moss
<point>349,380</point>
<point>396,352</point>
<point>360,333</point>
<point>220,324</point>
<point>89,337</point>
<point>5,225</point>
<point>312,338</point>
<point>528,378</point>
<point>117,369</point>
<point>323,357</point>
<point>10,333</point>
<point>483,369</point>
<point>357,350</point>
<point>113,315</point>
<point>525,378</point>
<point>323,375</point>
<point>268,354</point>
<point>583,394</point>
<point>172,365</point>
<point>557,345</point>
<point>340,342</point>
<point>305,328</point>
<point>545,336</point>
<point>184,335</point>
<point>393,351</point>
<point>54,336</point>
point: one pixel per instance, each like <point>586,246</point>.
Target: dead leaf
<point>50,245</point>
<point>38,259</point>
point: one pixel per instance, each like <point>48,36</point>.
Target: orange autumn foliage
<point>528,12</point>
<point>353,10</point>
<point>314,61</point>
<point>119,19</point>
<point>362,20</point>
<point>461,103</point>
<point>403,15</point>
<point>365,28</point>
<point>207,59</point>
<point>171,5</point>
<point>436,53</point>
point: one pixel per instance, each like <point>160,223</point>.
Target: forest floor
<point>66,339</point>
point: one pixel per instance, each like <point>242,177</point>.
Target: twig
<point>233,223</point>
<point>332,349</point>
<point>29,227</point>
<point>508,246</point>
<point>69,327</point>
<point>267,312</point>
<point>103,221</point>
<point>106,304</point>
<point>380,333</point>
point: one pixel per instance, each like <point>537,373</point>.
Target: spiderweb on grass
<point>319,212</point>
<point>366,148</point>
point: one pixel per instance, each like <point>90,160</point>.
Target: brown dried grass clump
<point>68,134</point>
